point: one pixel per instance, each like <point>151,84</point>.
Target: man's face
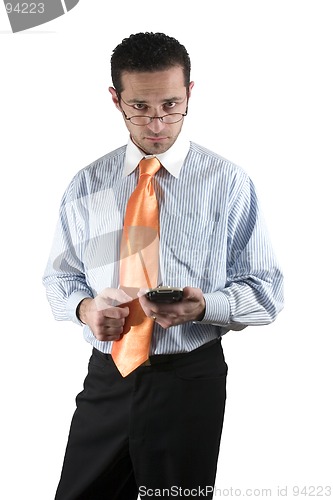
<point>153,94</point>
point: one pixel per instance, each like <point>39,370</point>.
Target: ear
<point>190,87</point>
<point>115,99</point>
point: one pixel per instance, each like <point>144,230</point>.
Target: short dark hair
<point>143,52</point>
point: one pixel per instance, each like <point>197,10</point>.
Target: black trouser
<point>159,428</point>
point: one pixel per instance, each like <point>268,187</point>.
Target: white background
<point>262,99</point>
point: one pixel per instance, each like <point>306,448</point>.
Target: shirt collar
<point>172,160</point>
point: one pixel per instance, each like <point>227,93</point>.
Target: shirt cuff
<point>217,309</point>
<point>73,301</point>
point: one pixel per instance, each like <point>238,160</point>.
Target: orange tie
<point>139,254</point>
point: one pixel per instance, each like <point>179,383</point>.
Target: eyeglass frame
<point>129,118</point>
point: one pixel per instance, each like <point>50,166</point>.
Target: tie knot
<point>149,166</point>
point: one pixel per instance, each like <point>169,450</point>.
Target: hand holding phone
<point>172,306</point>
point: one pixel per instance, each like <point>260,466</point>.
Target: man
<point>155,429</point>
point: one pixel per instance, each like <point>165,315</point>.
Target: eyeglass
<point>145,120</point>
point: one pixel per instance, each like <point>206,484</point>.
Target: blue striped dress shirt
<point>212,236</point>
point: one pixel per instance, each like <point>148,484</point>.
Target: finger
<point>146,306</point>
<point>114,296</point>
<point>189,293</point>
<point>115,316</point>
<point>107,337</point>
<point>110,328</point>
<point>164,321</point>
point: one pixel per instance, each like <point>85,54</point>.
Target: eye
<point>169,105</point>
<point>140,107</point>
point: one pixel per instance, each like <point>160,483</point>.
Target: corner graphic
<point>25,15</point>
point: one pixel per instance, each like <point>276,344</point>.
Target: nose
<point>156,125</point>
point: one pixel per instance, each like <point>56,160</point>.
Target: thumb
<point>114,296</point>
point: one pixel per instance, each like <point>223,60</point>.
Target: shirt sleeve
<point>64,277</point>
<point>253,292</point>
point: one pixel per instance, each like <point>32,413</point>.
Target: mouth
<point>156,139</point>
